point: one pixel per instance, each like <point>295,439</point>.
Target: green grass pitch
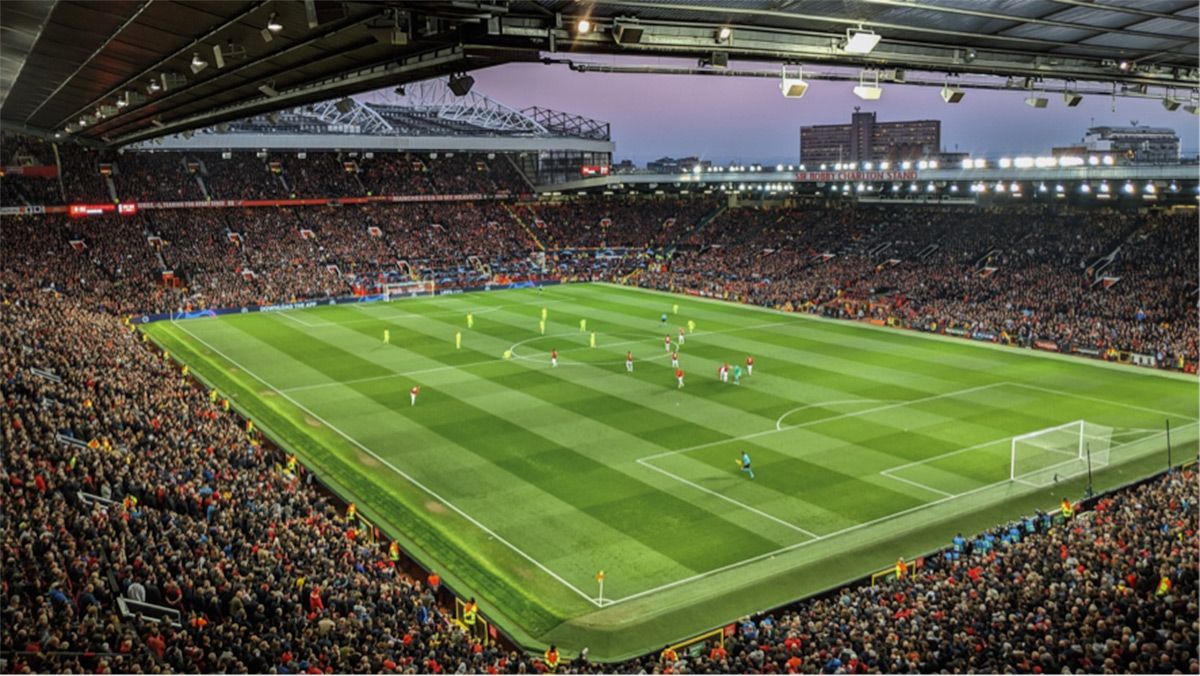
<point>518,481</point>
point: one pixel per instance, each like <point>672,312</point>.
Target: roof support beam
<point>1021,20</point>
<point>83,64</point>
<point>1121,9</point>
<point>132,82</point>
<point>721,12</point>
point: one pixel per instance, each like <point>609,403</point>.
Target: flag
<point>600,576</point>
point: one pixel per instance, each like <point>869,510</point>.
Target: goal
<point>394,290</point>
<point>1057,453</point>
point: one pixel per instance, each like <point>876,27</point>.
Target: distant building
<point>671,165</point>
<point>624,167</point>
<point>867,140</point>
<point>1134,144</point>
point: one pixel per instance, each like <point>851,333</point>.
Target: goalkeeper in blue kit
<point>744,463</point>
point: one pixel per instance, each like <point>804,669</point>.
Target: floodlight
<point>268,89</point>
<point>198,64</point>
<point>724,33</point>
<point>273,24</point>
<point>952,94</point>
<point>860,41</point>
<point>1072,98</point>
<point>792,87</point>
<point>154,87</point>
<point>1036,101</point>
<point>1170,103</point>
<point>868,90</point>
<point>583,26</point>
<point>627,33</point>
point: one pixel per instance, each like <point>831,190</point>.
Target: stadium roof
<point>142,69</point>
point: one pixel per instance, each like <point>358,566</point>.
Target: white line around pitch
<point>395,469</point>
<point>918,484</point>
<point>726,498</point>
<point>755,435</point>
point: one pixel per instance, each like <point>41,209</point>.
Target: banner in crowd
<point>32,171</point>
<point>130,208</point>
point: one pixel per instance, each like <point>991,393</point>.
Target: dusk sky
<point>747,120</point>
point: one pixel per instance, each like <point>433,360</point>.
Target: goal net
<point>1058,453</point>
<point>394,290</point>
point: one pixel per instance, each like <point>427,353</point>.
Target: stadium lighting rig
<point>792,87</point>
<point>198,64</point>
<point>952,94</point>
<point>272,28</point>
<point>868,88</point>
<point>860,41</point>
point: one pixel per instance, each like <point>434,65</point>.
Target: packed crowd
<point>616,223</point>
<point>102,176</point>
<point>1025,276</point>
<point>16,189</point>
<point>1112,590</point>
<point>124,480</point>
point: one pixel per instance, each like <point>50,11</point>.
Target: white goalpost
<point>1057,453</point>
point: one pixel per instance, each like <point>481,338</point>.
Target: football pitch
<point>518,481</point>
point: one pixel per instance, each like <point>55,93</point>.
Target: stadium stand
<point>127,483</point>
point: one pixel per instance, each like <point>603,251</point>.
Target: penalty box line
<point>398,471</point>
<point>645,462</point>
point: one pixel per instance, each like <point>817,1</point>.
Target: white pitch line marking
<point>779,422</point>
<point>918,484</point>
<point>755,435</point>
<point>1098,400</point>
<point>397,470</point>
<point>728,499</point>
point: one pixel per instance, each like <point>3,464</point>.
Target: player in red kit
<point>412,394</point>
<point>675,360</point>
<point>679,376</point>
<point>553,358</point>
<point>749,365</point>
<point>629,362</point>
<point>667,343</point>
<point>681,335</point>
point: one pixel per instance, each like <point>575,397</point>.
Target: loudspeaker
<point>461,84</point>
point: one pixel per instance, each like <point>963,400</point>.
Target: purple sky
<point>747,120</point>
